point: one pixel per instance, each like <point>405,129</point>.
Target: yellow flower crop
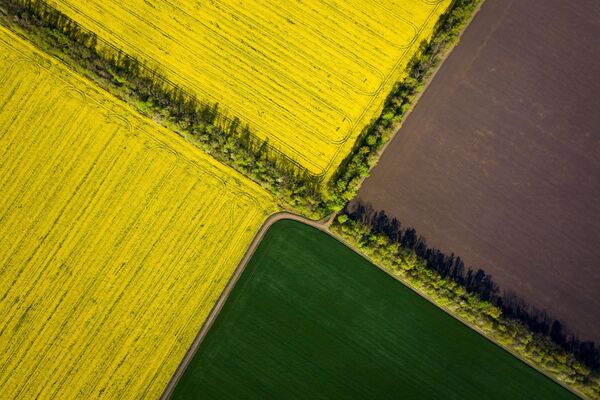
<point>309,75</point>
<point>116,237</point>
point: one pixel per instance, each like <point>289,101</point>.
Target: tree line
<point>365,154</point>
<point>227,139</point>
<point>451,267</point>
<point>144,85</point>
<point>545,351</point>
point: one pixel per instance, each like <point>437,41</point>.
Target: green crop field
<point>310,316</point>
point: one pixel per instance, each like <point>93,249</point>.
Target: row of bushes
<point>540,350</point>
<point>352,171</point>
<point>224,138</point>
<point>147,88</point>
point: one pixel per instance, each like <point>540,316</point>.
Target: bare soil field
<point>500,160</point>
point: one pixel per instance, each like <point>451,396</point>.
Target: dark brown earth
<point>499,162</point>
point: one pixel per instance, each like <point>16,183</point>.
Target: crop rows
<point>116,237</point>
<point>307,75</point>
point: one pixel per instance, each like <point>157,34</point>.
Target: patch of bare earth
<point>500,160</point>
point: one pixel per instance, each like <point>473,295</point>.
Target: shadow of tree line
<point>477,281</point>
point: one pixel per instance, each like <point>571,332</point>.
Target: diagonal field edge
<point>323,226</point>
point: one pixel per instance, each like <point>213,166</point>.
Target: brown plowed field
<point>500,160</point>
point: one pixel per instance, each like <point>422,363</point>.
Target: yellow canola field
<point>116,237</point>
<point>307,74</point>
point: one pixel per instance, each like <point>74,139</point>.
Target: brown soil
<point>499,162</point>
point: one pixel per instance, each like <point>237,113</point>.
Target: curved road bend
<point>322,225</point>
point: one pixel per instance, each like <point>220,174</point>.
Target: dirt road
<point>321,225</point>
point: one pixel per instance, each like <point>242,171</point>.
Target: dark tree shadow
<point>477,281</point>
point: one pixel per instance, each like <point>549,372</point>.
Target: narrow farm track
<point>273,218</point>
<point>323,226</point>
<point>310,318</point>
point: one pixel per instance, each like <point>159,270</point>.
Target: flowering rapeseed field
<point>309,75</point>
<point>116,237</point>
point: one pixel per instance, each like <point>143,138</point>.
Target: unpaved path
<point>321,225</point>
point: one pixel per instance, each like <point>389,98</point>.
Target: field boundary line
<point>447,310</point>
<point>418,96</point>
<point>454,314</point>
<point>279,164</point>
<point>322,225</point>
<point>241,267</point>
<point>327,167</point>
